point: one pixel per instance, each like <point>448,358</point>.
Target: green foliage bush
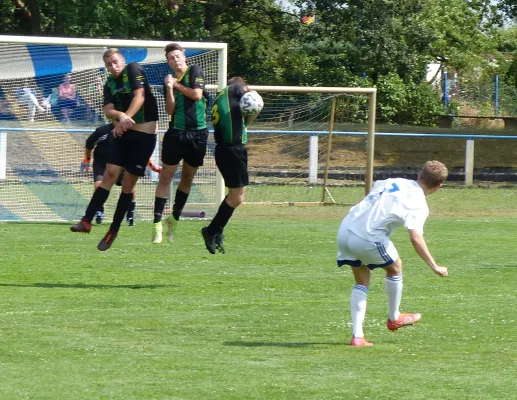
<point>406,103</point>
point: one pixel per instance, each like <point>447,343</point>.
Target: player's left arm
<point>420,246</point>
<point>197,84</point>
<point>137,81</point>
<point>136,103</point>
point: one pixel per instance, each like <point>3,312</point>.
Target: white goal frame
<point>221,48</point>
<point>372,106</point>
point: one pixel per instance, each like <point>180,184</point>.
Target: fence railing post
<point>469,163</point>
<point>3,155</point>
<point>313,159</point>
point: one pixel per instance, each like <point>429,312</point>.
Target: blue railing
<point>466,136</point>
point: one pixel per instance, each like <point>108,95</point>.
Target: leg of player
<point>358,305</point>
<point>32,111</point>
<point>99,215</point>
<point>213,233</point>
<point>124,200</point>
<point>394,285</point>
<point>161,195</point>
<point>130,217</point>
<point>98,199</point>
<point>180,199</point>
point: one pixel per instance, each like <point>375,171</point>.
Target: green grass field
<point>268,320</point>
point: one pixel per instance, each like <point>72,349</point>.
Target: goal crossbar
<point>108,42</point>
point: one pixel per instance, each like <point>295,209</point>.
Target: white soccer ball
<point>251,103</point>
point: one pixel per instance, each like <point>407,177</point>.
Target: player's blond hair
<point>434,173</point>
<point>108,53</point>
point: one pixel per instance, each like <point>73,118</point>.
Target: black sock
<point>179,202</point>
<point>131,210</point>
<point>98,199</point>
<point>101,210</point>
<point>122,206</point>
<point>159,205</point>
<point>221,218</point>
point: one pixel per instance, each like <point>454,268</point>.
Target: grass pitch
<point>268,320</point>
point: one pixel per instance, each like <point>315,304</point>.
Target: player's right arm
<point>418,242</point>
<point>109,105</point>
<point>197,84</point>
<point>170,101</point>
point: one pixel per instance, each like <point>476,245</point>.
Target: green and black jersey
<point>190,115</point>
<point>227,117</point>
<point>119,92</point>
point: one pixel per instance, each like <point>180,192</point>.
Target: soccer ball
<point>251,103</point>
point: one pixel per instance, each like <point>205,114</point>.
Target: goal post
<point>332,93</point>
<point>41,151</point>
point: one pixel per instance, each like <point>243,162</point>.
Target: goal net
<point>42,139</point>
<point>299,147</point>
<point>303,146</point>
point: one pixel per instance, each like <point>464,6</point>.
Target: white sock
<point>394,285</point>
<point>358,309</point>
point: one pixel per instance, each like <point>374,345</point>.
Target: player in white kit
<point>364,241</point>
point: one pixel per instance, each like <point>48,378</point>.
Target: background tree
<point>391,42</point>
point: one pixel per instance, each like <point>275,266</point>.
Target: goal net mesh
<point>288,147</point>
<point>42,144</point>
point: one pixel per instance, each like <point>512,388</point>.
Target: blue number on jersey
<point>394,188</point>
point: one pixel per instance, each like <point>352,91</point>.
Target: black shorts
<point>99,168</point>
<point>132,151</point>
<point>189,146</point>
<point>232,161</point>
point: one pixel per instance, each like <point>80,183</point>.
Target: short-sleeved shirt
<point>227,116</point>
<point>119,92</point>
<point>390,204</point>
<point>190,115</point>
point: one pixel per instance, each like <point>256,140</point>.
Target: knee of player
<point>395,268</point>
<point>110,177</point>
<point>235,199</point>
<point>165,177</point>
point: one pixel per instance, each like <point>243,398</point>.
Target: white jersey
<point>390,204</point>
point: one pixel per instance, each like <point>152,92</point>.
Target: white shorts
<point>356,251</point>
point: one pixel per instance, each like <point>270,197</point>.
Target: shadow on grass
<point>277,344</point>
<point>84,286</point>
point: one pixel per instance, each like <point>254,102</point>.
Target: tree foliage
<point>389,41</point>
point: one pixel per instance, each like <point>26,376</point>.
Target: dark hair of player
<point>172,47</point>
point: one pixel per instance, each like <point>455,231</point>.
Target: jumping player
<point>99,143</point>
<point>186,138</point>
<point>127,99</point>
<point>231,157</point>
